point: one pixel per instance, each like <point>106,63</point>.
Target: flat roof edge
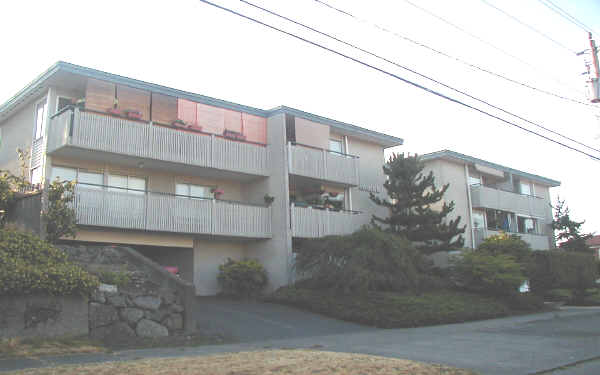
<point>456,155</point>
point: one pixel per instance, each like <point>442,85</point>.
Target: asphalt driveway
<point>529,344</point>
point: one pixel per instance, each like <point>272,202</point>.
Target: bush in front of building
<point>556,269</point>
<point>29,265</point>
<point>488,273</point>
<point>506,244</point>
<point>242,279</point>
<point>370,259</point>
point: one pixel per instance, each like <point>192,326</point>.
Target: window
<point>193,191</point>
<point>526,225</point>
<point>129,184</point>
<point>478,220</point>
<point>83,177</point>
<point>525,188</point>
<point>63,174</point>
<point>63,102</point>
<point>498,220</point>
<point>336,146</point>
<point>41,110</point>
<point>36,175</point>
<point>474,180</point>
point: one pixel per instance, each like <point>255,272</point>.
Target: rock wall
<point>154,303</point>
<point>43,316</point>
<point>129,312</point>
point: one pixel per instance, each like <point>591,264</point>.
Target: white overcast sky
<point>191,46</point>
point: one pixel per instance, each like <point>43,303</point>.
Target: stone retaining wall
<point>43,316</point>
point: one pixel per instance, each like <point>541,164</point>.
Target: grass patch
<point>291,362</point>
<point>35,347</point>
<point>392,310</point>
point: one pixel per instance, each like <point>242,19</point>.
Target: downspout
<point>347,151</point>
<point>470,206</point>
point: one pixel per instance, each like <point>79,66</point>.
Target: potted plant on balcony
<point>179,123</point>
<point>233,135</point>
<point>217,192</point>
<point>114,110</point>
<point>269,199</point>
<point>79,103</point>
<point>133,113</point>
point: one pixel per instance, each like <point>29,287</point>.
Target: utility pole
<point>594,72</point>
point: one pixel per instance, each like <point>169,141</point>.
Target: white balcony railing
<point>98,132</point>
<point>322,164</point>
<point>313,223</point>
<point>488,197</point>
<point>118,208</point>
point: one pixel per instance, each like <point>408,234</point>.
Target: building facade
<point>491,198</point>
<point>191,180</point>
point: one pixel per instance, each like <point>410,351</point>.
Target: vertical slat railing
<point>323,164</point>
<point>313,223</point>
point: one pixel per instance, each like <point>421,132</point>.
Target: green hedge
<point>29,265</point>
<point>391,310</point>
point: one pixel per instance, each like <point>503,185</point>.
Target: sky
<point>192,46</point>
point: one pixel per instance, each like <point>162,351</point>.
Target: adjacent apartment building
<point>491,198</point>
<point>191,180</point>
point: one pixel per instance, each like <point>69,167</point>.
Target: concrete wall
<point>182,258</point>
<point>43,316</point>
<point>274,254</point>
<point>26,213</point>
<point>208,255</point>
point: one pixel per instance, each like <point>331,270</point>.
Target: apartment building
<point>191,180</point>
<point>491,198</point>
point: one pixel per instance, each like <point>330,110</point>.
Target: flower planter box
<point>114,111</point>
<point>234,135</point>
<point>133,114</point>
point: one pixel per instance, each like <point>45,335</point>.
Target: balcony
<point>322,164</point>
<point>72,131</point>
<point>536,241</point>
<point>487,197</point>
<point>313,223</point>
<point>126,209</point>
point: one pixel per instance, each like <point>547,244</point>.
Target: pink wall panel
<point>255,128</point>
<point>186,111</point>
<point>211,119</point>
<point>233,120</point>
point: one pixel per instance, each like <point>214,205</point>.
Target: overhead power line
<point>412,71</point>
<point>529,27</point>
<point>395,76</point>
<point>561,12</point>
<point>471,65</point>
<point>535,68</point>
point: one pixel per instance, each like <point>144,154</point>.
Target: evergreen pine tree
<point>411,197</point>
<point>568,231</point>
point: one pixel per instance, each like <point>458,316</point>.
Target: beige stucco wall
<point>311,133</point>
<point>371,178</point>
<point>131,237</point>
<point>454,174</point>
<point>17,132</point>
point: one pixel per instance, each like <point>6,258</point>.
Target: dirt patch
<point>36,347</point>
<point>290,362</point>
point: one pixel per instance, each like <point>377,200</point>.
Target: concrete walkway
<point>528,344</point>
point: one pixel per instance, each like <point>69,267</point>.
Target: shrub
<point>392,310</point>
<point>505,244</point>
<point>592,299</point>
<point>523,302</point>
<point>120,278</point>
<point>367,260</point>
<point>562,270</point>
<point>60,217</point>
<point>30,265</point>
<point>244,278</point>
<point>559,295</point>
<point>497,275</point>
